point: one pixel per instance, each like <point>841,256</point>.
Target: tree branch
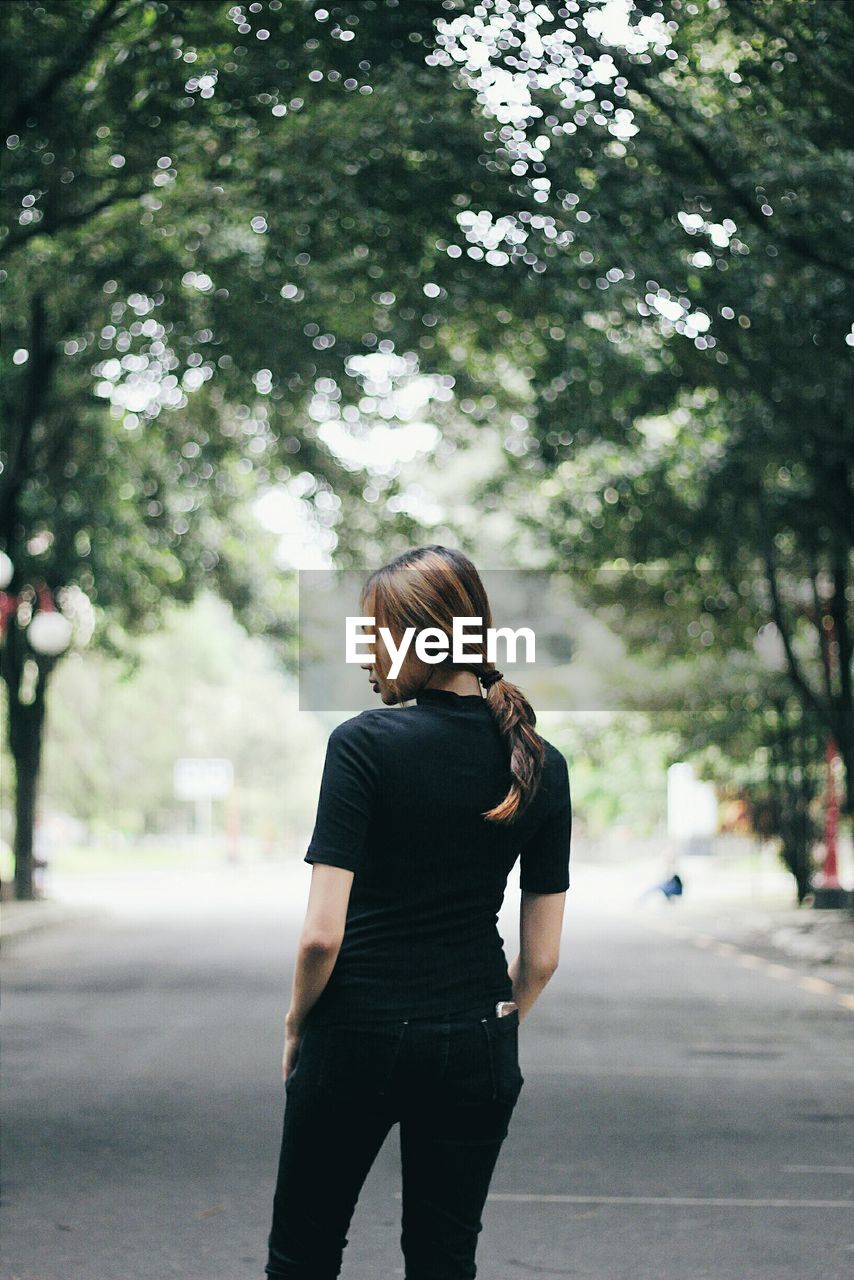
<point>638,82</point>
<point>51,222</point>
<point>41,360</point>
<point>823,638</point>
<point>753,15</point>
<point>824,712</point>
<point>833,438</point>
<point>75,59</point>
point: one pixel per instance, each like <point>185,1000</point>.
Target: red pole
<point>830,868</point>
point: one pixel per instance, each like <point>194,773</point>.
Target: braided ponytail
<point>515,719</point>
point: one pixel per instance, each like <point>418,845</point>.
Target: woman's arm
<point>317,950</point>
<point>320,939</point>
<point>540,928</point>
<point>335,851</point>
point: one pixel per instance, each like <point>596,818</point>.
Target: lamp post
<point>33,635</point>
<point>8,603</point>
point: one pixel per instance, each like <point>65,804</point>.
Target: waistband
<point>485,1009</point>
<point>475,1013</point>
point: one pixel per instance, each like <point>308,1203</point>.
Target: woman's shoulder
<point>554,757</point>
<point>555,778</point>
<point>374,722</point>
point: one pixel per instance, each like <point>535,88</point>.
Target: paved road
<point>685,1116</point>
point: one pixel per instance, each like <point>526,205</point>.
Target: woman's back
<point>401,803</point>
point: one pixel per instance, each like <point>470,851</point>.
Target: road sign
<point>199,778</point>
<point>692,805</point>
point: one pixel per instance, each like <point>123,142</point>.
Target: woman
<point>403,1008</point>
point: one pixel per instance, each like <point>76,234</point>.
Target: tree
<point>690,379</point>
<point>125,291</point>
<point>159,260</point>
<point>176,249</point>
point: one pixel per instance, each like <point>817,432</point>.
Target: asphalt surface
<point>686,1114</point>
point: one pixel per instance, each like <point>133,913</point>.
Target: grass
<point>109,858</point>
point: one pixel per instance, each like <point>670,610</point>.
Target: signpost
<point>692,808</point>
<point>202,780</point>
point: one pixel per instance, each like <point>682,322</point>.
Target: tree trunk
<point>795,783</point>
<point>26,725</point>
<point>26,719</point>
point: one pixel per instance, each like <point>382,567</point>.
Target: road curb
<point>20,918</point>
<point>814,951</point>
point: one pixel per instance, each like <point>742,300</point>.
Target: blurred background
<point>296,287</point>
<point>565,285</point>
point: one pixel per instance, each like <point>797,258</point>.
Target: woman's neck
<point>461,682</point>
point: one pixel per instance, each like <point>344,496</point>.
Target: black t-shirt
<point>401,796</point>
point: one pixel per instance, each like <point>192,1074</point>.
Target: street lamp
<point>48,630</point>
<point>49,633</point>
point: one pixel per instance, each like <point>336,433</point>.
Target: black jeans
<point>452,1086</point>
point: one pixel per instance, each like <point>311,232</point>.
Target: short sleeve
<point>347,790</point>
<point>545,856</point>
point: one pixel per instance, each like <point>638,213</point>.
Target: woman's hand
<point>293,1035</point>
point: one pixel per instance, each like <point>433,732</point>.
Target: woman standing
<point>404,1010</point>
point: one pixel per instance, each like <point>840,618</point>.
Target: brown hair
<point>429,587</point>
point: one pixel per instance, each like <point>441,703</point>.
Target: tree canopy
<point>615,234</point>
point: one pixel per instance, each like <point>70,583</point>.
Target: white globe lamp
<point>49,633</point>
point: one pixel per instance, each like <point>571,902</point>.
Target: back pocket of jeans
<point>468,1078</point>
<point>359,1059</point>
